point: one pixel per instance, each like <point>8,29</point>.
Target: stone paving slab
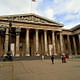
<point>44,70</point>
<point>41,70</point>
<point>6,71</point>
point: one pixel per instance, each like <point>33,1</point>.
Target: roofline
<point>75,27</point>
<point>60,24</point>
<point>66,30</point>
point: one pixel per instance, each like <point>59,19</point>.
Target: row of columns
<point>37,42</point>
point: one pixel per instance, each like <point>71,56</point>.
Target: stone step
<point>17,58</point>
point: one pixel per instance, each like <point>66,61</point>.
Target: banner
<point>51,49</point>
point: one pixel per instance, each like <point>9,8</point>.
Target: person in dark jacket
<point>52,59</point>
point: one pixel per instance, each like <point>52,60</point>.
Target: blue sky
<point>63,11</point>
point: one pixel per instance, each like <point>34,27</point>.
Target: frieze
<point>29,19</point>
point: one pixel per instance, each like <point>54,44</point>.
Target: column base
<point>27,54</point>
<point>8,58</point>
<point>17,55</point>
<point>55,54</point>
<point>37,54</point>
<point>47,54</point>
<point>5,54</point>
<point>63,54</point>
<point>70,56</point>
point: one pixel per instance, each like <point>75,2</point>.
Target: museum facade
<point>38,36</point>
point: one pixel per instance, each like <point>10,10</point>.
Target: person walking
<point>52,59</point>
<point>63,59</point>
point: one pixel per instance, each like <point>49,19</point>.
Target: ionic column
<point>27,42</point>
<point>37,41</point>
<point>53,42</point>
<point>61,43</point>
<point>74,43</point>
<point>0,46</point>
<point>45,41</point>
<point>17,45</point>
<point>69,46</point>
<point>6,41</point>
<point>79,42</point>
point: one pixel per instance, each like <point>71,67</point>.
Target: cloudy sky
<point>64,11</point>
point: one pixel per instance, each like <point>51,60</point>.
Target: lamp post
<point>8,57</point>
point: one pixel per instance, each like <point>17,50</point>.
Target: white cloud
<point>66,6</point>
<point>73,6</point>
<point>57,1</point>
<point>72,16</point>
<point>18,6</point>
<point>70,9</point>
<point>49,13</point>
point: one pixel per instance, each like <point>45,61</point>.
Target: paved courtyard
<point>44,70</point>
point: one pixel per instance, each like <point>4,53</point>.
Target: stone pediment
<point>32,18</point>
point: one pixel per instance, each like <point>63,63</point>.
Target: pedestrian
<point>52,59</point>
<point>63,59</point>
<point>42,57</point>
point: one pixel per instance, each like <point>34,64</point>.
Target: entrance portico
<point>37,33</point>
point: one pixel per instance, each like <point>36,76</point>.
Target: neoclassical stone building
<point>37,35</point>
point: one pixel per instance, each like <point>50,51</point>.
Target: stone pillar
<point>42,45</point>
<point>17,45</point>
<point>6,41</point>
<point>79,42</point>
<point>27,42</point>
<point>45,41</point>
<point>74,44</point>
<point>0,46</point>
<point>58,44</point>
<point>69,46</point>
<point>53,42</point>
<point>61,43</point>
<point>37,41</point>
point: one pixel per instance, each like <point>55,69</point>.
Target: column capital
<point>36,29</point>
<point>53,31</point>
<point>45,30</point>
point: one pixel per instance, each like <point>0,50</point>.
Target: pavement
<point>44,70</point>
